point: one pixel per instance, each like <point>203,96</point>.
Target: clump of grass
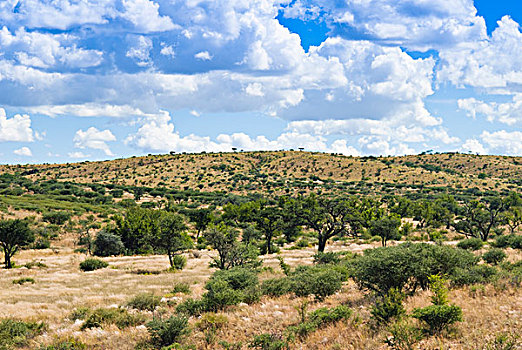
<point>24,280</point>
<point>119,317</point>
<point>15,333</point>
<point>92,264</point>
<point>37,264</point>
<point>181,287</point>
<point>146,272</point>
<point>144,302</point>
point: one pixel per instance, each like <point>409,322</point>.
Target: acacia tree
<point>14,235</point>
<point>327,217</point>
<point>230,251</point>
<point>172,236</point>
<point>387,228</point>
<point>480,218</point>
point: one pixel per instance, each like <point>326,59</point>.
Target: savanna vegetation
<point>262,250</point>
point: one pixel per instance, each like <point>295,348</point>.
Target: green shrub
<point>144,302</point>
<point>438,317</point>
<point>169,331</point>
<point>179,262</point>
<point>513,241</point>
<point>24,280</point>
<point>107,244</point>
<point>42,243</point>
<point>494,256</point>
<point>80,313</point>
<point>403,336</point>
<point>324,316</point>
<point>267,341</point>
<point>38,264</point>
<point>120,317</point>
<point>406,267</point>
<point>316,280</point>
<point>276,287</point>
<point>56,217</point>
<point>471,244</point>
<point>67,344</point>
<point>181,287</point>
<point>219,295</point>
<point>476,274</point>
<point>92,264</point>
<point>191,307</point>
<point>326,258</point>
<point>237,278</point>
<point>14,333</point>
<point>389,307</point>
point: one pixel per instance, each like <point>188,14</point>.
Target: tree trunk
<point>7,255</point>
<point>170,259</point>
<point>322,244</point>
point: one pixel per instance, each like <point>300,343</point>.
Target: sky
<point>104,79</point>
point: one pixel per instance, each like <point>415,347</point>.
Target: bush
<point>181,287</point>
<point>219,295</point>
<point>120,317</point>
<point>80,313</point>
<point>14,333</point>
<point>476,274</point>
<point>107,244</point>
<point>404,336</point>
<point>494,256</point>
<point>179,262</point>
<point>42,243</point>
<point>471,244</point>
<point>144,302</point>
<point>324,316</point>
<point>267,341</point>
<point>389,307</point>
<point>513,241</point>
<point>191,307</point>
<point>319,281</point>
<point>276,287</point>
<point>92,264</point>
<point>68,344</point>
<point>438,317</point>
<point>326,258</point>
<point>169,331</point>
<point>56,217</point>
<point>406,267</point>
<point>24,280</point>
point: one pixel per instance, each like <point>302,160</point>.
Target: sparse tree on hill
<point>14,235</point>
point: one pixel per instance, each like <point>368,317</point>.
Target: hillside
<point>291,172</point>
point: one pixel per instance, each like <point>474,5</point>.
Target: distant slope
<point>292,172</point>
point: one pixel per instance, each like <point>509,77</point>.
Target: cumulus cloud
<point>490,63</point>
<point>508,113</point>
<point>95,139</point>
<point>17,128</point>
<point>473,146</point>
<point>144,14</point>
<point>43,50</point>
<point>504,142</point>
<point>24,151</point>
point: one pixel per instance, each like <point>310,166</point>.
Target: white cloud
<point>78,155</point>
<point>508,113</point>
<point>167,50</point>
<point>17,128</point>
<point>491,63</point>
<point>140,50</point>
<point>473,146</point>
<point>24,151</point>
<point>95,139</point>
<point>144,14</point>
<point>504,142</point>
<point>203,55</point>
<point>45,50</point>
<point>90,110</point>
<point>415,24</point>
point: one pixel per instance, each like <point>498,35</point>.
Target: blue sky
<point>102,79</point>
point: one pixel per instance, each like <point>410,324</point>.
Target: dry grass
<point>61,287</point>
